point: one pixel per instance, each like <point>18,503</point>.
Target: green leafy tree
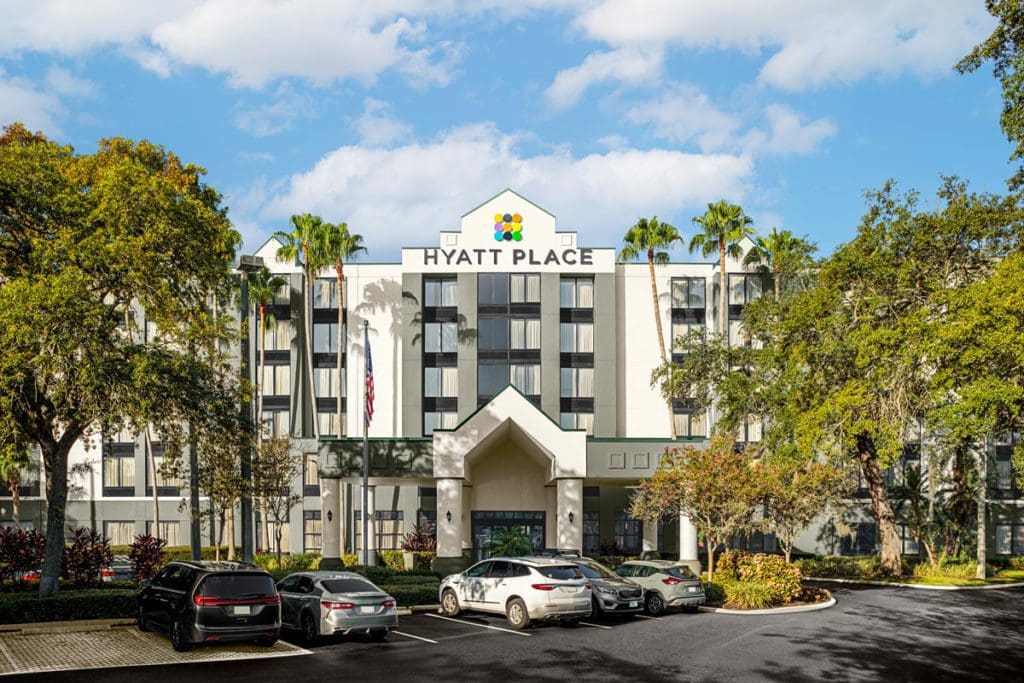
<point>650,238</point>
<point>82,238</point>
<point>508,542</point>
<point>724,226</point>
<point>1005,49</point>
<point>782,256</point>
<point>273,473</point>
<point>717,487</point>
<point>795,492</point>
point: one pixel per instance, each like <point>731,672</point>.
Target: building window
<point>682,329</point>
<point>278,337</point>
<point>312,531</point>
<point>908,544</point>
<point>325,337</point>
<point>390,529</point>
<point>576,293</point>
<point>283,296</point>
<point>272,528</point>
<point>578,421</point>
<point>525,334</point>
<point>689,421</point>
<point>440,382</point>
<point>492,334</point>
<point>433,421</point>
<point>526,378</point>
<point>577,383</point>
<point>492,289</point>
<point>169,531</point>
<point>860,540</point>
<point>576,337</point>
<point>1009,539</point>
<point>629,533</point>
<point>325,382</point>
<point>688,292</point>
<point>525,289</point>
<point>749,430</point>
<point>275,423</point>
<point>440,292</point>
<point>167,484</point>
<point>119,533</point>
<point>327,423</point>
<point>591,533</point>
<point>310,475</point>
<point>276,380</point>
<point>325,293</point>
<point>441,337</point>
<point>743,289</point>
<point>119,469</point>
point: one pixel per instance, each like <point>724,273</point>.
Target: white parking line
<point>470,623</point>
<point>584,623</point>
<point>644,616</point>
<point>409,635</point>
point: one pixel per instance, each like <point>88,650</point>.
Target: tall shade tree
<point>300,245</point>
<point>650,239</point>
<point>781,255</point>
<point>724,226</point>
<point>1005,49</point>
<point>82,238</point>
<point>336,246</point>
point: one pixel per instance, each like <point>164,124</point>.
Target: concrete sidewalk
<point>77,626</point>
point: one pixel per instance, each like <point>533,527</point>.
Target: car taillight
<point>671,581</point>
<point>107,573</point>
<point>545,586</point>
<point>209,601</point>
<point>337,605</point>
<point>390,602</point>
<point>214,601</point>
<point>587,586</point>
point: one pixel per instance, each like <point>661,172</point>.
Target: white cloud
<point>278,115</point>
<point>21,100</point>
<point>812,43</point>
<point>376,126</point>
<point>63,82</point>
<point>685,114</point>
<point>788,133</point>
<point>628,65</point>
<point>391,194</point>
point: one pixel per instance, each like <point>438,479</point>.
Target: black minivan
<point>201,602</point>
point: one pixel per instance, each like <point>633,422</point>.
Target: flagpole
<point>367,560</point>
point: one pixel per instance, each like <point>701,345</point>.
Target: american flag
<point>369,385</point>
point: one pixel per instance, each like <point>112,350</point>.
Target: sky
<point>398,116</point>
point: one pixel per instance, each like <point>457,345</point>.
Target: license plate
<point>692,589</point>
<point>242,609</point>
<point>570,589</point>
<point>634,603</point>
<point>367,609</point>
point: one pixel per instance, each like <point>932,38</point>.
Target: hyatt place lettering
<point>508,257</point>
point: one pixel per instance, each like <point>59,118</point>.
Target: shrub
<point>293,563</point>
<point>20,551</point>
<point>85,558</point>
<point>413,580</point>
<point>813,594</point>
<point>420,539</point>
<point>378,575</point>
<point>350,559</point>
<point>22,608</point>
<point>836,567</point>
<point>779,579</point>
<point>146,556</point>
<point>395,559</point>
<point>748,595</point>
<point>947,568</point>
<point>408,596</point>
<point>714,593</point>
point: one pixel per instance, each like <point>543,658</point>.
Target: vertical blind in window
<point>526,378</point>
<point>312,531</point>
<point>441,293</point>
<point>325,381</point>
<point>278,337</point>
<point>440,382</point>
<point>119,472</point>
<point>525,334</point>
<point>576,293</point>
<point>576,338</point>
<point>328,423</point>
<point>325,293</point>
<point>169,531</point>
<point>119,533</point>
<point>276,380</point>
<point>438,420</point>
<point>525,289</point>
<point>441,337</point>
<point>577,382</point>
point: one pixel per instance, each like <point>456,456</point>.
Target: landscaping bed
<point>743,581</point>
<point>950,572</point>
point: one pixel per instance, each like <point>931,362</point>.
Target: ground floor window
<point>755,542</point>
<point>271,530</point>
<point>486,522</point>
<point>312,531</point>
<point>310,475</point>
<point>629,534</point>
<point>428,520</point>
<point>390,529</point>
<point>169,531</point>
<point>908,546</point>
<point>1009,539</point>
<point>859,540</point>
<point>591,533</point>
<point>119,533</point>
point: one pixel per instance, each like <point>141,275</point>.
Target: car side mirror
<point>145,583</point>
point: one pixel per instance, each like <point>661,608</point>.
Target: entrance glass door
<point>487,522</point>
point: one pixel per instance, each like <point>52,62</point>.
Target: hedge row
<point>100,603</point>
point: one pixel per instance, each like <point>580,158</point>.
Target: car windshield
<point>561,572</point>
<point>680,572</point>
<point>347,586</point>
<point>237,586</point>
<point>595,571</point>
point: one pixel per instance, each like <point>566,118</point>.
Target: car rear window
<point>566,572</point>
<point>681,572</point>
<point>237,586</point>
<point>595,571</point>
<point>347,586</point>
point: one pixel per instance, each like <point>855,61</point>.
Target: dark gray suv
<point>612,594</point>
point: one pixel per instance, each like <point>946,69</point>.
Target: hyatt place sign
<point>508,258</point>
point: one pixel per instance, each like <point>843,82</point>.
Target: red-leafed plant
<point>21,552</point>
<point>85,558</point>
<point>146,556</point>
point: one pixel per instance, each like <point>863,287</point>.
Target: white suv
<point>524,589</point>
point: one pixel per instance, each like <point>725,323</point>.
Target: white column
<point>449,504</point>
<point>332,512</point>
<point>687,539</point>
<point>569,502</point>
<point>650,536</point>
<point>371,507</point>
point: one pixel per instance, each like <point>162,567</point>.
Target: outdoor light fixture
<point>330,516</point>
<point>570,516</point>
<point>448,516</point>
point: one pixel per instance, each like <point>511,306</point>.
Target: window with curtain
<point>325,382</point>
<point>688,422</point>
<point>524,288</point>
<point>440,292</point>
<point>278,337</point>
<point>683,329</point>
<point>526,378</point>
<point>169,531</point>
<point>276,380</point>
<point>578,421</point>
<point>325,337</point>
<point>576,337</point>
<point>390,529</point>
<point>119,472</point>
<point>688,292</point>
<point>525,334</point>
<point>163,481</point>
<point>737,335</point>
<point>441,338</point>
<point>629,533</point>
<point>328,423</point>
<point>282,297</point>
<point>576,293</point>
<point>438,420</point>
<point>310,475</point>
<point>119,532</point>
<point>312,531</point>
<point>577,383</point>
<point>440,382</point>
<point>325,293</point>
<point>275,423</point>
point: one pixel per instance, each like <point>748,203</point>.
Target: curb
<point>919,586</point>
<point>78,626</point>
<point>773,610</point>
<point>407,611</point>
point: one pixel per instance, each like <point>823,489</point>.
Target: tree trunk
<point>981,570</point>
<point>277,541</point>
<point>219,519</point>
<point>14,486</point>
<point>152,483</point>
<point>342,343</point>
<point>231,531</point>
<point>307,313</point>
<point>711,560</point>
<point>787,550</point>
<point>661,336</point>
<point>881,509</point>
<point>55,459</point>
<point>723,314</point>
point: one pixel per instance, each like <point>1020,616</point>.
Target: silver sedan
<point>325,603</point>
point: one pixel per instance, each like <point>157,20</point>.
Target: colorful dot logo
<point>508,227</point>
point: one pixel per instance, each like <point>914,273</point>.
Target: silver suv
<point>666,584</point>
<point>524,589</point>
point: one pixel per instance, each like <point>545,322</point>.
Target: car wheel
<point>379,636</point>
<point>654,605</point>
<point>310,630</point>
<point>267,642</point>
<point>450,604</point>
<point>179,641</point>
<point>595,608</point>
<point>143,626</point>
<point>517,615</point>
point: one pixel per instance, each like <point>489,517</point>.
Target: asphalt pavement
<point>873,633</point>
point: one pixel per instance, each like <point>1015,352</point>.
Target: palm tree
<point>725,225</point>
<point>779,254</point>
<point>263,287</point>
<point>336,246</point>
<point>649,237</point>
<point>299,245</point>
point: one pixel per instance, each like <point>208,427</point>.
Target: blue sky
<point>399,115</point>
